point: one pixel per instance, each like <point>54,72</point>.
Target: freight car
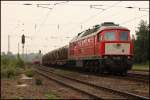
<point>56,57</point>
<point>103,48</point>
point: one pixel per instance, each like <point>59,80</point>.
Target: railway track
<point>130,75</point>
<point>89,89</point>
<point>67,85</point>
<point>133,77</point>
<point>138,77</point>
<point>140,70</point>
<point>146,73</point>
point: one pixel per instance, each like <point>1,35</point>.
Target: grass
<point>29,72</point>
<point>51,95</point>
<point>10,66</point>
<point>144,67</point>
<point>9,71</point>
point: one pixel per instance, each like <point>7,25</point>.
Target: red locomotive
<point>106,47</point>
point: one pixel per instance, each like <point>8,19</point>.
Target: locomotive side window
<point>109,36</point>
<point>123,35</point>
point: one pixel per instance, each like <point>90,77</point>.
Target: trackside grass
<point>10,66</point>
<point>143,67</point>
<point>51,95</point>
<point>29,72</point>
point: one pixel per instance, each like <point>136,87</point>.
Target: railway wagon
<point>106,47</point>
<point>56,57</point>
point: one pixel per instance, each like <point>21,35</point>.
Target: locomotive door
<point>97,44</point>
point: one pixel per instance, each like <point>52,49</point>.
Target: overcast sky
<point>53,24</point>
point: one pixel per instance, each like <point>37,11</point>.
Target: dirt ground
<point>47,90</point>
<point>51,90</point>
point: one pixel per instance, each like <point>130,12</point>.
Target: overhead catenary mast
<point>8,44</point>
<point>18,48</point>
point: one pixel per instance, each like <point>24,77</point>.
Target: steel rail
<point>133,78</point>
<point>128,77</point>
<point>126,94</point>
<point>140,70</point>
<point>70,86</point>
<point>145,76</point>
<point>138,77</point>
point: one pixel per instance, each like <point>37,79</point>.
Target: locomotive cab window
<point>99,37</point>
<point>109,36</point>
<point>124,35</point>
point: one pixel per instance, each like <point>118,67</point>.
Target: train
<point>105,47</point>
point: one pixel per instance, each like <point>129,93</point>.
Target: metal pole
<point>81,27</point>
<point>8,43</point>
<point>26,53</point>
<point>23,50</point>
<point>18,48</point>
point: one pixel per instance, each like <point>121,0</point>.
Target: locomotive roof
<point>100,28</point>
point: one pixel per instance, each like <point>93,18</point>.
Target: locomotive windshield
<point>109,36</point>
<point>123,35</point>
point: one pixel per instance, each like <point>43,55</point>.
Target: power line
<point>44,19</point>
<point>43,7</point>
<point>143,9</point>
<point>129,7</point>
<point>11,3</point>
<point>120,14</point>
<point>49,11</point>
<point>99,13</point>
<point>92,6</point>
<point>120,6</point>
<point>93,16</point>
<point>130,20</point>
<point>97,5</point>
<point>60,2</point>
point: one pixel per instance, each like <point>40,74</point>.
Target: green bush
<point>29,72</point>
<point>5,60</point>
<point>10,66</point>
<point>9,71</point>
<point>20,62</point>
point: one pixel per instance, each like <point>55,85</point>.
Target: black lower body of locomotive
<point>118,64</point>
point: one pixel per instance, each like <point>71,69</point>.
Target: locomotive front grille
<point>117,48</point>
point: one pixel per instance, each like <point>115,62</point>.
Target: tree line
<point>141,43</point>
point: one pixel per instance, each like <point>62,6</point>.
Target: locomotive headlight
<point>118,45</point>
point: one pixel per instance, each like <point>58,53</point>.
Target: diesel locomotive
<point>103,48</point>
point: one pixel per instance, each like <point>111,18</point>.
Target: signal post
<point>23,43</point>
